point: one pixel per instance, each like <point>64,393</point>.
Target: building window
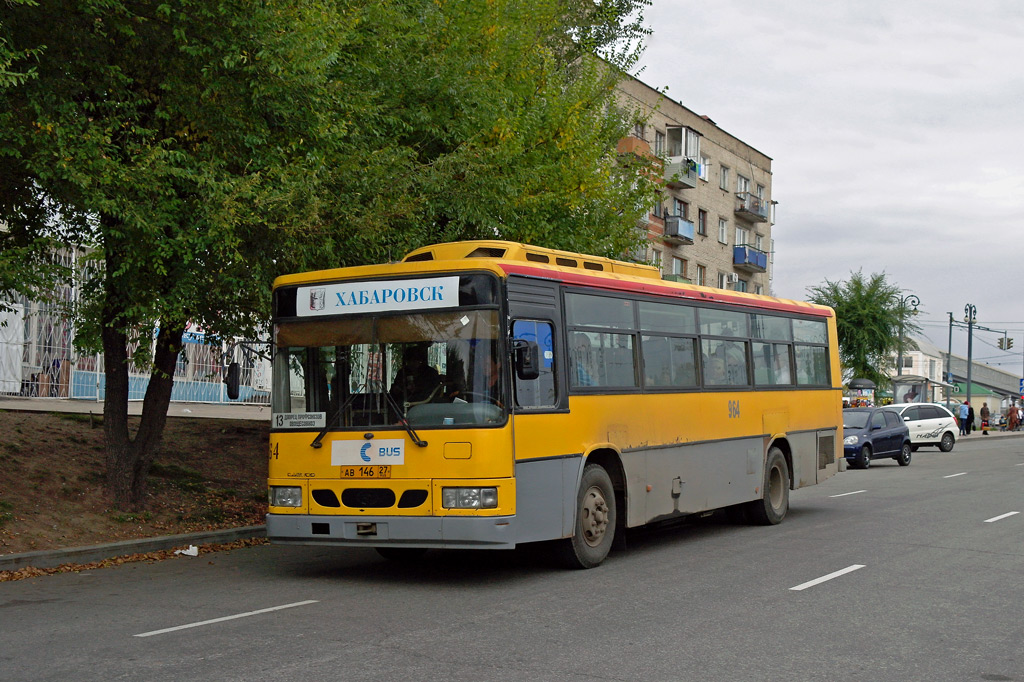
<point>740,285</point>
<point>759,242</point>
<point>723,231</point>
<point>679,266</point>
<point>702,222</point>
<point>705,168</point>
<point>656,258</point>
<point>702,275</point>
<point>742,235</point>
<point>758,289</point>
<point>681,209</point>
<point>742,184</point>
<point>659,210</point>
<point>638,130</point>
<point>659,143</point>
<point>692,144</point>
<point>760,192</point>
<point>723,178</point>
<point>722,283</point>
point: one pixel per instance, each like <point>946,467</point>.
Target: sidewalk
<point>203,410</point>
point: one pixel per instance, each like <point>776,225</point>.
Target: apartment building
<point>713,225</point>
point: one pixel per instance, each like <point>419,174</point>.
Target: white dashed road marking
<point>826,578</point>
<point>221,620</point>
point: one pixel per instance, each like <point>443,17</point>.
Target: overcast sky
<point>896,132</point>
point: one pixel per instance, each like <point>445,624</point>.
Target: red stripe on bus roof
<point>657,287</point>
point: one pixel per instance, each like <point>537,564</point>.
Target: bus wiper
<point>404,422</point>
<point>334,417</point>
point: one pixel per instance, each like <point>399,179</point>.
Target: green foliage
<point>869,318</point>
<point>199,148</point>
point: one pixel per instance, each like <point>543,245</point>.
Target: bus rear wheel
<point>774,503</point>
<point>595,521</point>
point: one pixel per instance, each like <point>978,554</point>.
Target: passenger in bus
<point>715,371</point>
<point>416,381</point>
<point>581,358</point>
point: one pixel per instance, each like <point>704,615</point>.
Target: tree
<point>869,320</point>
<point>198,149</point>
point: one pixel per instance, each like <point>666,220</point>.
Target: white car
<point>929,424</point>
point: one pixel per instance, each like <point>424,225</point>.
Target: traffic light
<point>1001,343</point>
<point>1009,343</point>
<point>1005,343</point>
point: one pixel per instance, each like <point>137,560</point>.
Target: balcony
<point>677,278</point>
<point>749,259</point>
<point>678,230</point>
<point>634,145</point>
<point>680,172</point>
<point>752,208</point>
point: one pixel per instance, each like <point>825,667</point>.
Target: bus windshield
<point>437,368</point>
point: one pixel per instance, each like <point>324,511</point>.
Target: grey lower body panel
<point>449,532</point>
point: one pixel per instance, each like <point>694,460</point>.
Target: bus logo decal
<point>358,453</point>
<point>317,298</point>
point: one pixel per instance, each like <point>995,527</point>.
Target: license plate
<point>379,471</point>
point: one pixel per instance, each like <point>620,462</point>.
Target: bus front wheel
<point>774,502</point>
<point>595,521</point>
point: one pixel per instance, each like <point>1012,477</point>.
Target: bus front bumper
<point>444,532</point>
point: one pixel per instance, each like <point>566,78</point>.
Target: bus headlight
<point>851,440</point>
<point>469,498</point>
<point>285,496</point>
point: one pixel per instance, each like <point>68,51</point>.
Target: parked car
<point>929,424</point>
<point>874,433</point>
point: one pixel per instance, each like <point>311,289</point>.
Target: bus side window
<point>539,392</point>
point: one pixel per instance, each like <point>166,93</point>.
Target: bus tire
<point>401,554</point>
<point>595,521</point>
<point>774,502</point>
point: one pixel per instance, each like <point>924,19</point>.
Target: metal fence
<point>38,356</point>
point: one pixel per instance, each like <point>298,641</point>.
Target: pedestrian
<point>985,414</point>
<point>1012,420</point>
<point>970,418</point>
<point>964,412</point>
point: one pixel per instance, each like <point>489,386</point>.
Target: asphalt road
<point>893,573</point>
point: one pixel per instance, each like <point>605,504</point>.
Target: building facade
<point>713,226</point>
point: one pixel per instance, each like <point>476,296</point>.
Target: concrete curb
<point>84,555</point>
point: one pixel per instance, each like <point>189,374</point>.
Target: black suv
<point>874,433</point>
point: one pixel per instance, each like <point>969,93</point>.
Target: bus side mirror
<point>526,355</point>
<point>231,379</point>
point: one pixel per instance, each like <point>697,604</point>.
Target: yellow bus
<point>488,394</point>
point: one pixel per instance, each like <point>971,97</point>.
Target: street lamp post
<point>903,301</point>
<point>970,315</point>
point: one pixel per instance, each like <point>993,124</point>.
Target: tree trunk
<point>128,457</point>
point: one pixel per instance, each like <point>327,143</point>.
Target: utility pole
<point>949,359</point>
